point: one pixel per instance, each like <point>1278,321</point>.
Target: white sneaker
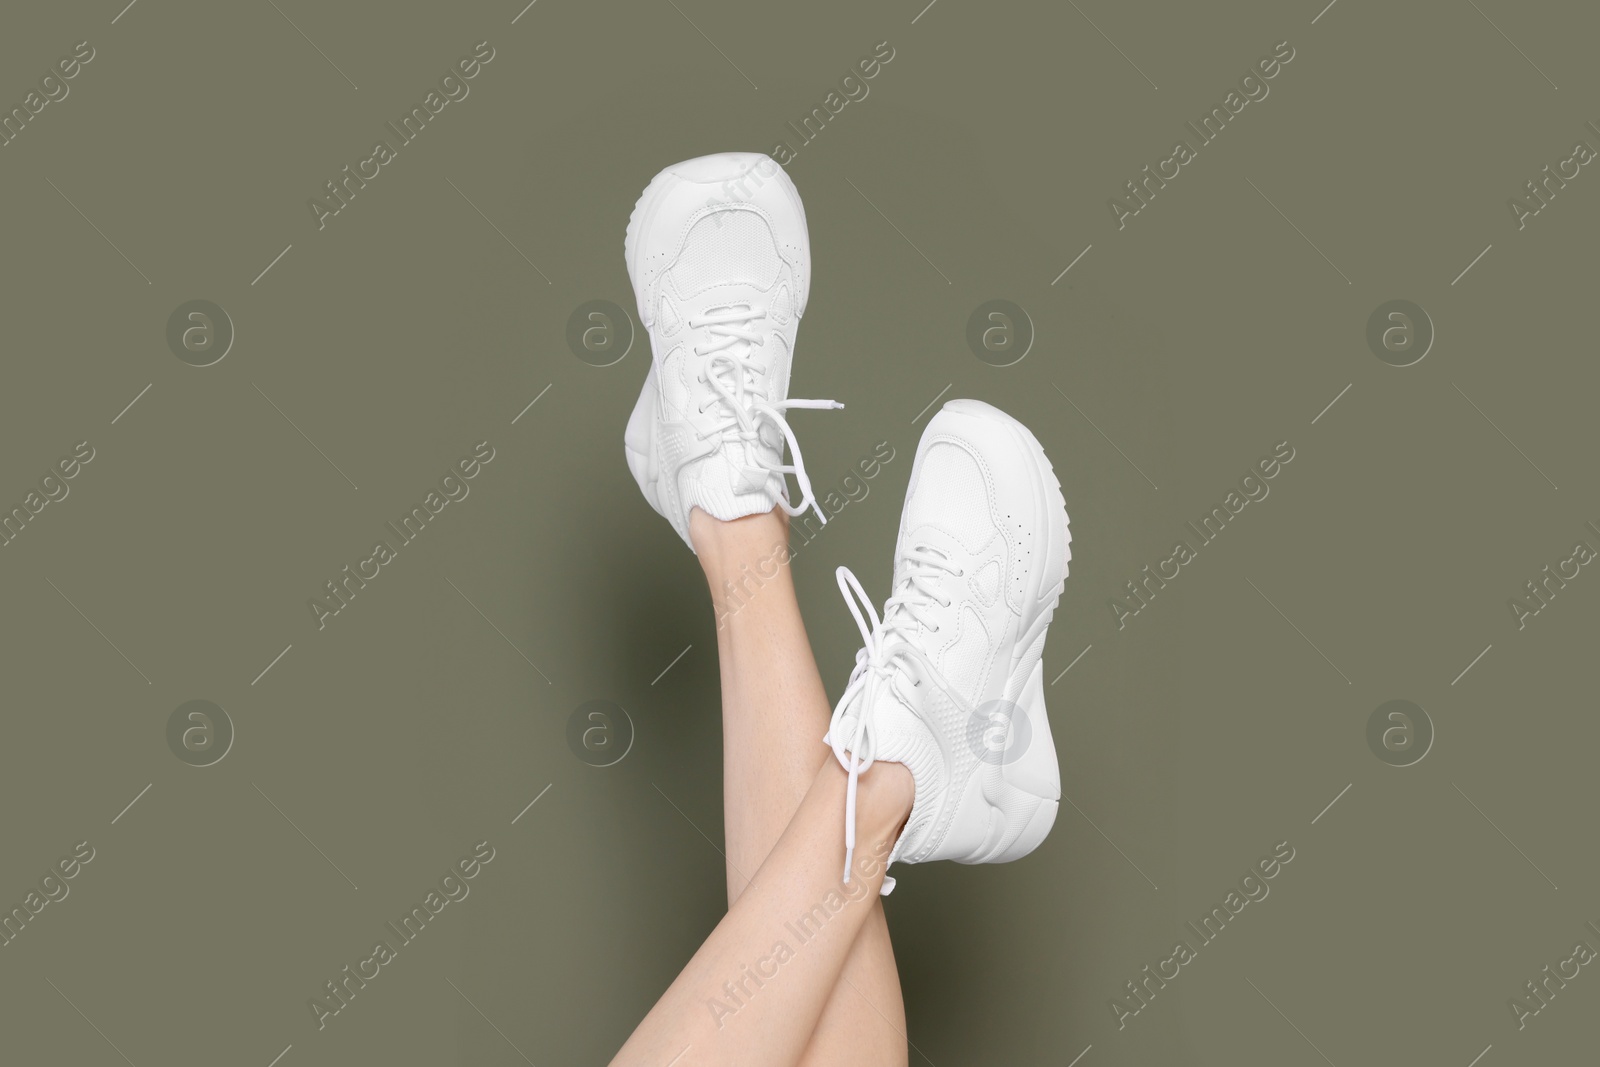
<point>720,261</point>
<point>951,681</point>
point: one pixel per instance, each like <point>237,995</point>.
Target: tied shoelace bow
<point>887,645</point>
<point>729,371</point>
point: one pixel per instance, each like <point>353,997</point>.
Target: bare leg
<point>774,713</point>
<point>755,991</point>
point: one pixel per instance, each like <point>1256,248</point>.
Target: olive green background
<point>415,724</point>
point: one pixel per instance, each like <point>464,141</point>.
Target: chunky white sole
<point>638,440</point>
<point>643,208</point>
<point>1030,785</point>
<point>1039,812</point>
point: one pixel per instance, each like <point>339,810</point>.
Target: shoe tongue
<point>720,309</point>
<point>750,480</point>
<point>740,350</point>
<point>929,532</point>
<point>725,488</point>
<point>934,538</point>
<point>725,296</point>
<point>905,621</point>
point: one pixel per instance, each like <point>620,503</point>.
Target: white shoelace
<point>728,372</point>
<point>886,644</point>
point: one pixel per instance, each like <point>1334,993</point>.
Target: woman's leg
<point>774,713</point>
<point>755,991</point>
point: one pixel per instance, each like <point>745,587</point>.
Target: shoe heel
<point>1034,833</point>
<point>1036,776</point>
<point>637,444</point>
<point>1040,818</point>
<point>1037,771</point>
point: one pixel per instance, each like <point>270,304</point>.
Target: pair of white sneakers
<point>950,679</point>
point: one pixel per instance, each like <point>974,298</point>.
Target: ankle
<point>719,542</point>
<point>884,797</point>
<point>888,792</point>
<point>741,556</point>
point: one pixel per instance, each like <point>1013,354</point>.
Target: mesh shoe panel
<point>727,247</point>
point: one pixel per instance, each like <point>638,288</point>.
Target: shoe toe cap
<point>722,167</point>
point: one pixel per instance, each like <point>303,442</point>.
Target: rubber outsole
<point>630,240</point>
<point>1042,817</point>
